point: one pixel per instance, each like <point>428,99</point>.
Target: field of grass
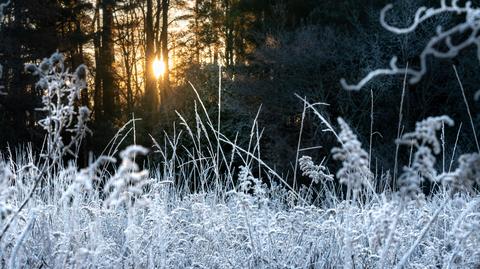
<point>198,208</point>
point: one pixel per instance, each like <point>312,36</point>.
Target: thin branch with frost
<point>443,38</point>
<point>2,7</point>
<point>393,70</point>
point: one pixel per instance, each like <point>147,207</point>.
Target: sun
<point>158,68</point>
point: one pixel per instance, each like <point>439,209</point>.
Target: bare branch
<point>442,39</point>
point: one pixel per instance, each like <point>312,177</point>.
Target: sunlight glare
<point>158,67</point>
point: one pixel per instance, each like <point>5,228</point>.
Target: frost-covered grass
<point>198,208</point>
<point>267,228</point>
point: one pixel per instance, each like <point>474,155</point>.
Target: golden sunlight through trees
<point>158,68</point>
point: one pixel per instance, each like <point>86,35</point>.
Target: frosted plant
<point>441,45</point>
<point>426,133</point>
<point>425,140</point>
<point>126,186</point>
<point>317,173</point>
<point>464,240</point>
<point>250,183</point>
<point>85,179</point>
<point>61,93</point>
<point>306,192</point>
<point>421,170</point>
<point>379,222</point>
<point>6,191</point>
<point>355,171</point>
<point>466,175</point>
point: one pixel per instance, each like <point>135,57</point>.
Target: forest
<point>142,57</point>
<point>268,51</point>
<point>239,134</point>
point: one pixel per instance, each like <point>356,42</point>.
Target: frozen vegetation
<point>117,213</point>
<point>214,204</point>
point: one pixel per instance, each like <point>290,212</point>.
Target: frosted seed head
<point>131,151</point>
<point>83,113</point>
<point>45,66</point>
<point>42,84</point>
<point>81,72</point>
<point>355,170</point>
<point>57,59</point>
<point>316,173</point>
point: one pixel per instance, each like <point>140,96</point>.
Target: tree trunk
<point>164,43</point>
<point>151,98</point>
<point>108,60</point>
<point>229,37</point>
<point>197,32</point>
<point>97,96</point>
